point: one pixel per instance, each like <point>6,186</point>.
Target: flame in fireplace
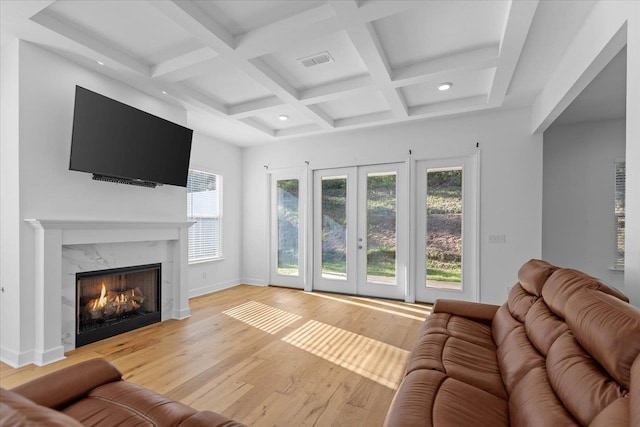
<point>113,303</point>
<point>102,301</point>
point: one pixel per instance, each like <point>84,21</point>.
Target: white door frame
<point>471,228</point>
<point>396,290</point>
<point>299,281</point>
<point>349,283</point>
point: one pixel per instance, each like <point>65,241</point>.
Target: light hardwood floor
<point>268,356</point>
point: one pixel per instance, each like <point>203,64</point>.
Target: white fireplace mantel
<point>52,235</point>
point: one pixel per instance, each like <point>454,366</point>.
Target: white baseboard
<point>181,313</point>
<point>254,282</point>
<point>14,359</point>
<point>213,288</point>
<point>51,355</point>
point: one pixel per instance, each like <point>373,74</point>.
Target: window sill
<point>618,269</point>
<point>205,260</point>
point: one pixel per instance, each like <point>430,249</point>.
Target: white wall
<point>632,157</point>
<point>218,157</point>
<point>610,25</point>
<point>39,184</point>
<point>578,228</point>
<point>9,203</point>
<point>511,182</point>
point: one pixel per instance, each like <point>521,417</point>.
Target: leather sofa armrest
<point>61,388</point>
<point>209,419</point>
<point>475,311</point>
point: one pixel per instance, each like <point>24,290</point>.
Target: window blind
<point>204,206</point>
<point>620,213</point>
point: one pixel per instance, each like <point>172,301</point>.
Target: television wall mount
<point>128,181</point>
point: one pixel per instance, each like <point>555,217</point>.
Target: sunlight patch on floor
<point>400,305</point>
<point>375,360</point>
<point>262,316</point>
<point>396,311</point>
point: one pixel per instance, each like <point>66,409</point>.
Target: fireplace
<point>114,301</point>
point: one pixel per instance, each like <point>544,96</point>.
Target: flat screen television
<point>119,143</point>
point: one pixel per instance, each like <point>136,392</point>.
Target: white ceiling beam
<point>517,26</point>
<point>373,10</point>
<point>471,103</point>
<point>182,64</point>
<point>258,126</point>
<point>254,47</point>
<point>194,70</point>
<point>250,108</point>
<point>366,42</point>
<point>198,99</point>
<point>22,10</point>
<point>321,113</point>
<point>288,32</point>
<point>197,22</point>
<point>471,60</point>
<point>64,27</point>
<point>269,78</point>
<point>298,130</point>
<point>336,90</point>
<point>382,116</point>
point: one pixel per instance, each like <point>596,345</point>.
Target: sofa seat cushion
<point>431,398</point>
<point>459,327</point>
<point>126,404</point>
<point>460,348</point>
<point>18,411</point>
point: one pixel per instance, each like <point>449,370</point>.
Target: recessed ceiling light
<point>164,92</point>
<point>283,117</point>
<point>445,86</point>
<point>100,63</point>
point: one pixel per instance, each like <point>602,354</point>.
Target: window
<point>204,206</point>
<point>619,211</point>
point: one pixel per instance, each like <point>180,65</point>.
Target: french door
<point>360,230</point>
<point>288,200</point>
<point>447,224</point>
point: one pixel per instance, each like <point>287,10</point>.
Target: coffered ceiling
<point>237,66</point>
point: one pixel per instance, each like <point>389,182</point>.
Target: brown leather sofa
<point>562,351</point>
<point>93,393</point>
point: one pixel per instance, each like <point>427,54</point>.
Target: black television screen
<point>113,139</point>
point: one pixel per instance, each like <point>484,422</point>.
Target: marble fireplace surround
<point>65,247</point>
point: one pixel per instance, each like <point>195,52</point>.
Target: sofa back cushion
<point>18,411</point>
<point>564,283</point>
<point>533,275</point>
<point>70,384</point>
<point>573,337</point>
<point>577,379</point>
<point>608,329</point>
<point>543,327</point>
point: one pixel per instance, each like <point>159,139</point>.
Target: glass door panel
<point>334,227</point>
<point>381,227</point>
<point>444,228</point>
<point>288,226</point>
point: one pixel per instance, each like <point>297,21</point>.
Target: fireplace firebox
<point>114,301</point>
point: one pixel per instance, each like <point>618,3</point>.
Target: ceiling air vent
<point>317,59</point>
